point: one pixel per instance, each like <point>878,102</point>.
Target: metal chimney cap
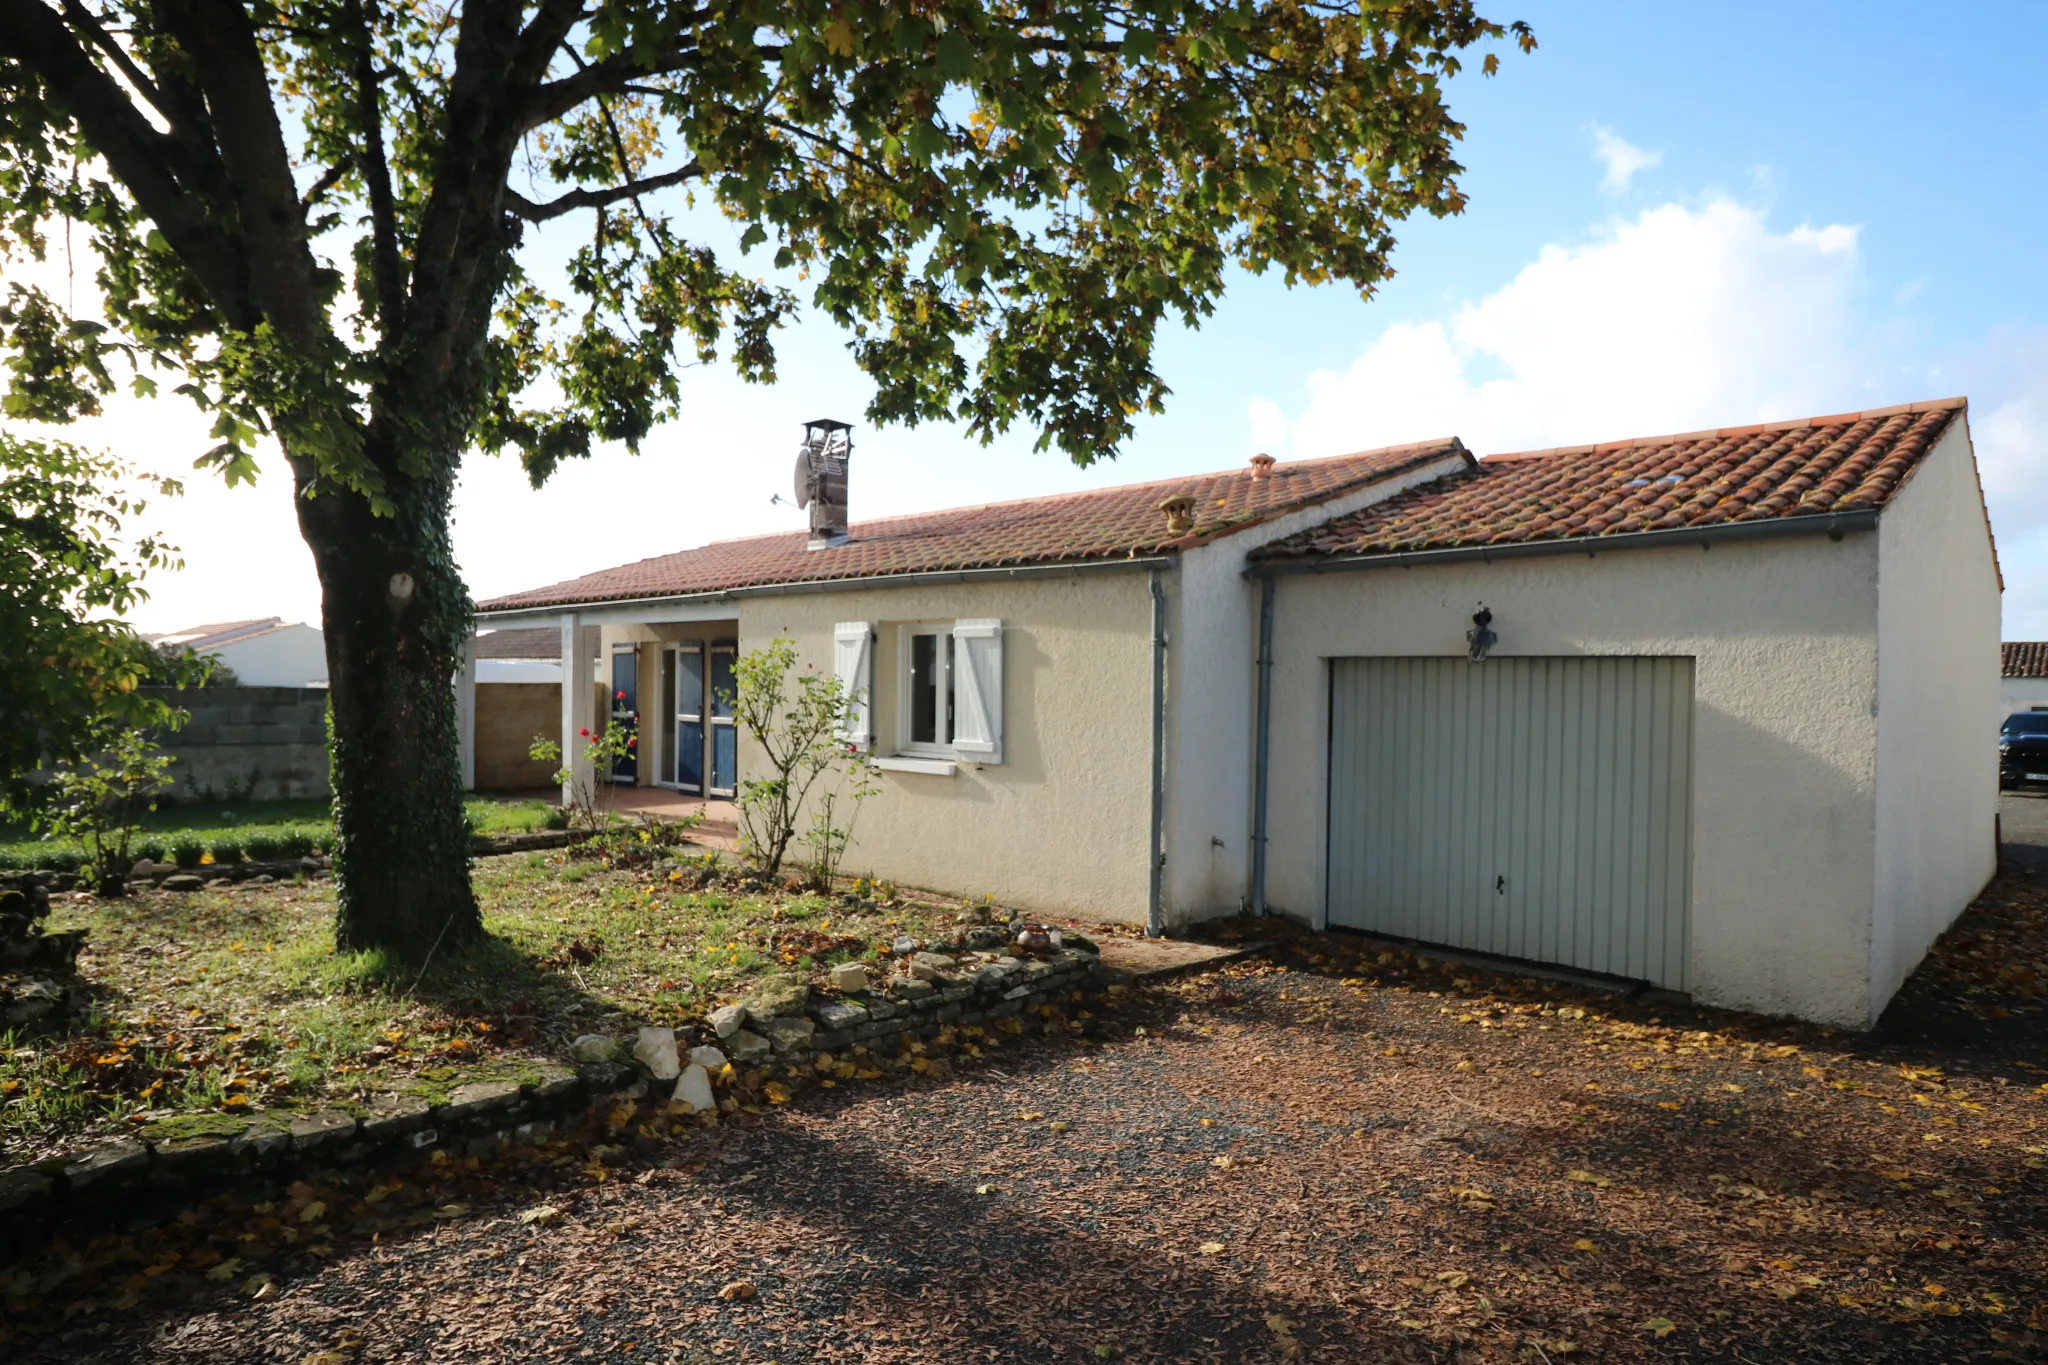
<point>828,424</point>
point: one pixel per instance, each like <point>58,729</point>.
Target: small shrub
<point>59,859</point>
<point>557,818</point>
<point>296,843</point>
<point>226,849</point>
<point>152,849</point>
<point>261,848</point>
<point>186,851</point>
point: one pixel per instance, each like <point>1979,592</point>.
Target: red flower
<point>620,697</point>
<point>585,732</point>
<point>633,741</point>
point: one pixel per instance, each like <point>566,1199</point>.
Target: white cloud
<point>1622,159</point>
<point>1681,317</point>
<point>1678,319</point>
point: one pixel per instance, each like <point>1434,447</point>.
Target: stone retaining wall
<point>188,1156</point>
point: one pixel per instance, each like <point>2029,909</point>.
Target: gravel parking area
<point>1329,1152</point>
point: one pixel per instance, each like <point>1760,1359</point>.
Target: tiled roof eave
<point>1294,559</point>
<point>1016,567</point>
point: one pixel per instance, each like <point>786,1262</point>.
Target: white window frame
<point>906,755</point>
<point>905,746</point>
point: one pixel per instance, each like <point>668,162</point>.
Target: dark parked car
<point>2023,749</point>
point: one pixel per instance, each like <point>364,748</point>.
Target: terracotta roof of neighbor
<point>1849,462</point>
<point>1102,524</point>
<point>221,632</point>
<point>539,642</point>
<point>2025,658</point>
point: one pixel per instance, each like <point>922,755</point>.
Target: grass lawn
<point>217,827</point>
<point>235,1001</point>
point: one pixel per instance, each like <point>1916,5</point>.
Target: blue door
<point>689,717</point>
<point>626,706</point>
<point>725,740</point>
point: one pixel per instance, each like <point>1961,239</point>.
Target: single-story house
<point>265,652</point>
<point>1703,710</point>
<point>2023,685</point>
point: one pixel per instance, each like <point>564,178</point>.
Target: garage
<point>1725,731</point>
<point>1534,808</point>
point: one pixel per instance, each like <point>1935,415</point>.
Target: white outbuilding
<point>1705,711</point>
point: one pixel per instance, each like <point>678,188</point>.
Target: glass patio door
<point>686,719</point>
<point>725,740</point>
<point>625,707</point>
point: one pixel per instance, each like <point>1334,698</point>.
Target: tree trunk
<point>395,612</point>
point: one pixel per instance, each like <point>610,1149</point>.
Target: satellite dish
<point>803,478</point>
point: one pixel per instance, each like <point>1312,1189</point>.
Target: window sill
<point>899,763</point>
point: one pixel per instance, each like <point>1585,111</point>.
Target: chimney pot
<point>1180,514</point>
<point>1262,466</point>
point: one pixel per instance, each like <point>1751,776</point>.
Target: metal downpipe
<point>1154,924</point>
<point>1262,763</point>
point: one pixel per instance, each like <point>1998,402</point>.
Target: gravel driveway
<point>1329,1153</point>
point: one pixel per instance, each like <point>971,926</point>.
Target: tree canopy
<point>309,214</point>
<point>295,203</point>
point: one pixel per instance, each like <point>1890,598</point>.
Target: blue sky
<point>1680,216</point>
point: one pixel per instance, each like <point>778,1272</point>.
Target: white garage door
<point>1534,808</point>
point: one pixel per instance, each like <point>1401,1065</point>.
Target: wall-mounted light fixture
<point>1481,638</point>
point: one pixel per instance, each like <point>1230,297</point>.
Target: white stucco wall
<point>1937,676</point>
<point>1062,824</point>
<point>2021,694</point>
<point>1783,633</point>
<point>1212,654</point>
<point>290,656</point>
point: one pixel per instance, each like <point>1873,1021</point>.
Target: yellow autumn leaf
<point>776,1092</point>
<point>1281,1326</point>
<point>311,1213</point>
<point>1211,1248</point>
<point>1584,1244</point>
<point>1660,1327</point>
<point>838,37</point>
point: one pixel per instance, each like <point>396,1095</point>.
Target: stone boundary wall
<point>191,1156</point>
<point>248,743</point>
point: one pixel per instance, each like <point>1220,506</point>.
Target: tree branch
<point>154,168</point>
<point>386,264</point>
<point>230,70</point>
<point>608,77</point>
<point>598,198</point>
<point>85,21</point>
<point>329,178</point>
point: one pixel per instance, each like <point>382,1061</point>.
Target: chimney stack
<point>1262,467</point>
<point>821,479</point>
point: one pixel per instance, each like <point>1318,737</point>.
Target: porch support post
<point>465,712</point>
<point>577,640</point>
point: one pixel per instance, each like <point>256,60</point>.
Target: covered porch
<point>664,669</point>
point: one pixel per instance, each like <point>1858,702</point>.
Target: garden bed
<point>232,1001</point>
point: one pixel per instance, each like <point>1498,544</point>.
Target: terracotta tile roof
<point>1102,524</point>
<point>1849,462</point>
<point>540,642</point>
<point>2025,658</point>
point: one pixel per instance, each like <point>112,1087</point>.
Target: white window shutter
<point>852,665</point>
<point>978,689</point>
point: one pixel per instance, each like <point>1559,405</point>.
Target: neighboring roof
<point>1102,524</point>
<point>220,633</point>
<point>1848,462</point>
<point>2025,658</point>
<point>536,644</point>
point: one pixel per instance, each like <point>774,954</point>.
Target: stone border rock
<point>524,1103</point>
